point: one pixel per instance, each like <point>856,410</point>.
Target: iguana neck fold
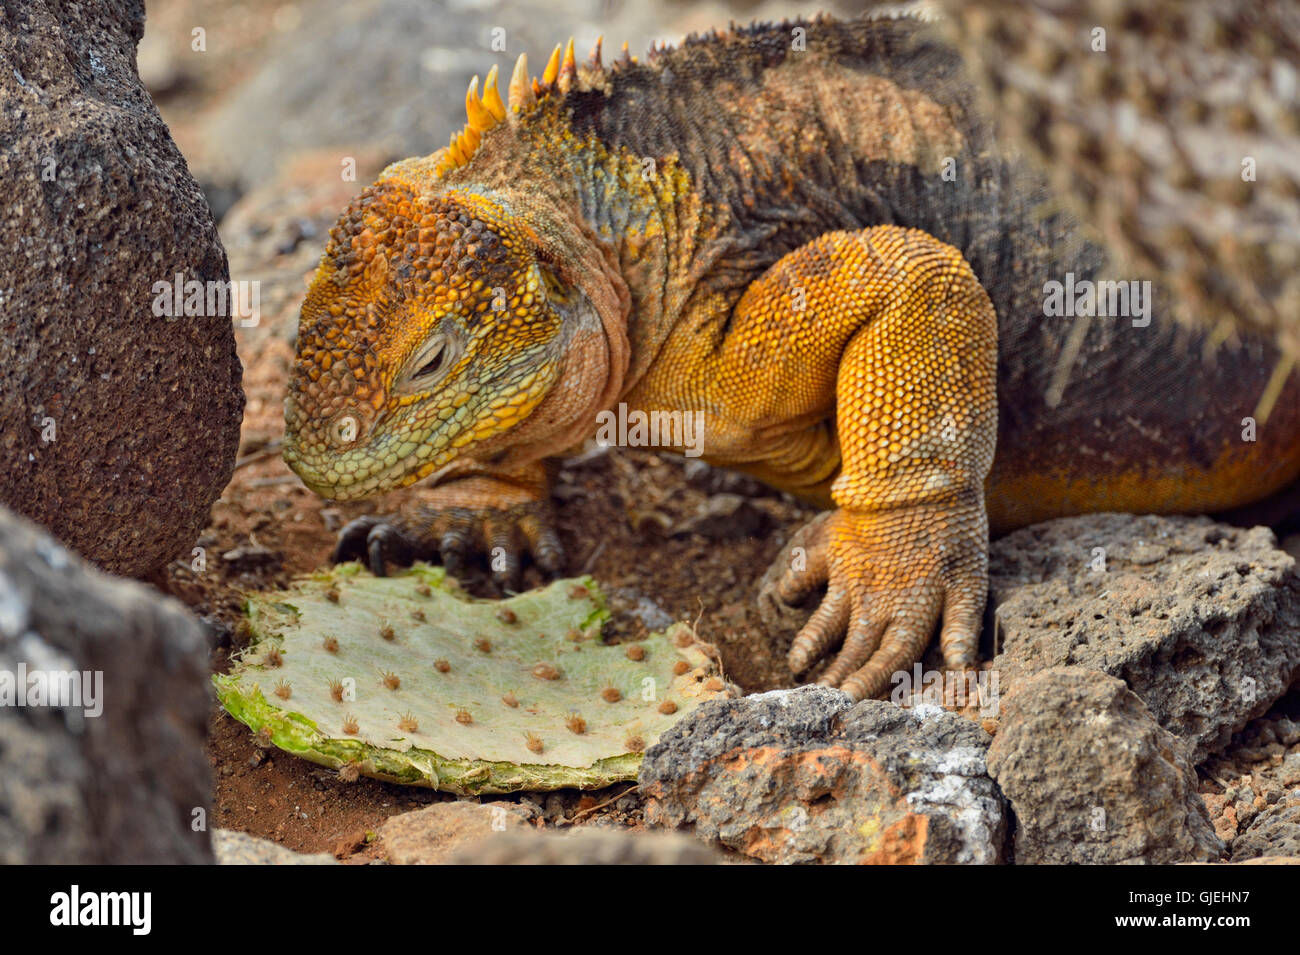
<point>619,227</point>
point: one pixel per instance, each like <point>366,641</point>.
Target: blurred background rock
<point>1144,140</point>
<point>387,77</point>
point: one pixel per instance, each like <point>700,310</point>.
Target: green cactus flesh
<point>405,679</point>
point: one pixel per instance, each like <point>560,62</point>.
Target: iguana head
<point>433,330</point>
<point>462,312</point>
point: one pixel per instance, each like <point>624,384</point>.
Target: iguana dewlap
<point>804,233</point>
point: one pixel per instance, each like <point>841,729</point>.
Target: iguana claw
<point>453,534</point>
<point>890,577</point>
<point>377,541</point>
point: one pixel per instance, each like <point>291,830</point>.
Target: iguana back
<point>788,131</point>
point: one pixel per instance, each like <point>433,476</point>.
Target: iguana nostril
<point>344,430</point>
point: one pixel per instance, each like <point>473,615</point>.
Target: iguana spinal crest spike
<point>454,152</point>
<point>520,92</point>
<point>594,61</point>
<point>480,117</point>
<point>552,69</point>
<point>482,113</point>
<point>492,97</point>
<point>568,69</point>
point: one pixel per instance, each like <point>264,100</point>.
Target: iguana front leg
<point>900,325</point>
<point>502,514</point>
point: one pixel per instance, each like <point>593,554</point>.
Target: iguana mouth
<point>352,475</point>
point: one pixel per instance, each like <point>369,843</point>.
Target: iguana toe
<point>891,576</point>
<point>378,541</point>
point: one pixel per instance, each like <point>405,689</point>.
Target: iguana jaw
<point>419,439</point>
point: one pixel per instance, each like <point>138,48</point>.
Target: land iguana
<point>806,233</point>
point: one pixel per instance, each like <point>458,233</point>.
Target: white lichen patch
<point>955,785</point>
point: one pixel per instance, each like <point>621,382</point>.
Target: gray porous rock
<point>118,427</point>
<point>1200,619</point>
<point>119,773</point>
<point>806,775</point>
<point>1092,778</point>
<point>1274,833</point>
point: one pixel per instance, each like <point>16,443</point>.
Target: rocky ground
<point>1182,652</point>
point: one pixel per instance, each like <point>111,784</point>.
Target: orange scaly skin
<point>766,238</point>
<point>846,326</point>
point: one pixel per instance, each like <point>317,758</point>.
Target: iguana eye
<point>431,360</point>
<point>430,363</point>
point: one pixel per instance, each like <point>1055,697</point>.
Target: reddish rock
<point>807,776</point>
<point>586,846</point>
<point>433,834</point>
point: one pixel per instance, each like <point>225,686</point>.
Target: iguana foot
<point>458,526</point>
<point>890,577</point>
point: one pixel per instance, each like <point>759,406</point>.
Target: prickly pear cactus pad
<point>406,679</point>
